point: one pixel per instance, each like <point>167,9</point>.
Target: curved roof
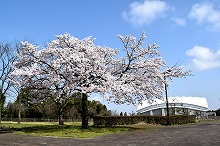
<point>197,101</point>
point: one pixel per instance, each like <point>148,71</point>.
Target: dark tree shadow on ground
<point>6,130</point>
<point>40,128</point>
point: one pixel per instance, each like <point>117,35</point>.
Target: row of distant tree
<point>217,112</point>
<point>37,106</point>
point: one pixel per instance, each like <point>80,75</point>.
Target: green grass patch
<point>68,130</point>
<point>205,121</point>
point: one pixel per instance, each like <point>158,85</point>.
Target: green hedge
<point>129,120</point>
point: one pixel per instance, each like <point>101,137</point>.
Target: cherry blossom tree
<point>68,65</point>
<point>138,73</point>
<point>143,73</point>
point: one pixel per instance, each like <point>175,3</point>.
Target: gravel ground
<point>187,135</point>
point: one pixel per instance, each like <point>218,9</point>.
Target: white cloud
<point>179,21</point>
<point>146,12</point>
<point>204,58</point>
<point>204,13</point>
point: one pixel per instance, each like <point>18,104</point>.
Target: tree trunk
<point>60,114</point>
<point>0,112</point>
<point>84,111</point>
<point>1,106</point>
<point>167,102</point>
<point>19,111</point>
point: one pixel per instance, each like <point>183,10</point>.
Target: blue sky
<point>187,31</point>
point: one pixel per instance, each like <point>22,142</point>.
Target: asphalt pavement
<point>207,134</point>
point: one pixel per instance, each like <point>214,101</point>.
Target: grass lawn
<point>70,129</point>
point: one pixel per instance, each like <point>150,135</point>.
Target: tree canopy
<point>68,65</point>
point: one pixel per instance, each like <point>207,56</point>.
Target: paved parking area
<point>188,135</point>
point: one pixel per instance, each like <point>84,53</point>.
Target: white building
<point>177,106</point>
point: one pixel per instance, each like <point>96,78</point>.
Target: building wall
<point>145,113</point>
<point>174,111</point>
<point>157,112</point>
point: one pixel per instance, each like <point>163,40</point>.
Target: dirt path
<point>188,135</point>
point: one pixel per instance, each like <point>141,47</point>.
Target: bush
<point>129,120</point>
